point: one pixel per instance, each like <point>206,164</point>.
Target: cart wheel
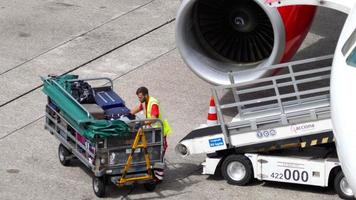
<point>63,155</point>
<point>99,186</point>
<point>342,187</point>
<point>237,170</point>
<point>150,186</point>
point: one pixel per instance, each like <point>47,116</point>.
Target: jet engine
<point>216,37</point>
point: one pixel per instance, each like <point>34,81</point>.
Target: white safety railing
<point>300,91</point>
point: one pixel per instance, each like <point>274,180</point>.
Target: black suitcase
<point>115,113</point>
<point>82,92</point>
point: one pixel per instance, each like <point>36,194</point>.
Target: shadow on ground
<point>177,178</point>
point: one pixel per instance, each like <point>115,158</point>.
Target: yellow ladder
<point>140,142</point>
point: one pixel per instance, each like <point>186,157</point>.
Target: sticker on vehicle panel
<point>216,142</point>
<point>266,133</point>
<point>302,127</point>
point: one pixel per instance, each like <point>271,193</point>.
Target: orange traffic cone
<point>212,116</point>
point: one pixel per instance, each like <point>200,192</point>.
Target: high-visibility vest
<point>166,127</point>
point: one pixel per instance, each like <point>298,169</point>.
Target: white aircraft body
<point>343,98</point>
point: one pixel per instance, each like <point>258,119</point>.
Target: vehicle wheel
<point>150,186</point>
<point>342,187</point>
<point>99,186</point>
<point>237,170</point>
<point>64,155</point>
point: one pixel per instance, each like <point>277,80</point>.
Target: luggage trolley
<point>118,158</point>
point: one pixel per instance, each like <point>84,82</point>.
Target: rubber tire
<point>101,187</point>
<point>150,186</point>
<point>245,162</point>
<point>339,176</point>
<point>64,152</point>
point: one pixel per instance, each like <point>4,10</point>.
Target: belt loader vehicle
<point>93,125</point>
<point>282,131</point>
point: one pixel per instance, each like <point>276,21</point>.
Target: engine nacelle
<point>215,37</point>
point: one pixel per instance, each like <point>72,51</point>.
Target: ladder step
<point>138,178</point>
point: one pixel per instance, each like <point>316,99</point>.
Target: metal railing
<point>300,90</point>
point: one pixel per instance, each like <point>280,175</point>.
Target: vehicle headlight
<point>182,150</point>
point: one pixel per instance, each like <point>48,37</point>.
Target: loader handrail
<point>299,90</point>
<point>273,67</point>
<point>280,97</point>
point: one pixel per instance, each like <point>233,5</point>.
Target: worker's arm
<point>136,109</point>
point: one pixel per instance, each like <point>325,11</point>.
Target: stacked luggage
<point>102,102</point>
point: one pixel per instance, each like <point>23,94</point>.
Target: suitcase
<point>80,138</point>
<point>116,113</point>
<point>52,105</point>
<point>106,98</point>
<point>95,110</point>
<point>82,92</point>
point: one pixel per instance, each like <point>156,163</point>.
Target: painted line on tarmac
<point>75,37</point>
<point>114,79</point>
<point>22,127</point>
<point>138,67</point>
<point>96,58</point>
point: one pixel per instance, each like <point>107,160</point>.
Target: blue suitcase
<point>107,99</point>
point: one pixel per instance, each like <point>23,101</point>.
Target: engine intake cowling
<point>216,37</point>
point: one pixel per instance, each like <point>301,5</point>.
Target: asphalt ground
<point>132,42</point>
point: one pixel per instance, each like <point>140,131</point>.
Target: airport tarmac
<point>132,42</point>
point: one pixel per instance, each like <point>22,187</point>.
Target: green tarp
<point>58,88</point>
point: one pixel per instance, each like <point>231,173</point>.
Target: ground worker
<point>152,110</point>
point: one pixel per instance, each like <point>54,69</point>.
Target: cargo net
<point>93,111</point>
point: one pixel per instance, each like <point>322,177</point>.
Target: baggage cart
<point>120,159</point>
